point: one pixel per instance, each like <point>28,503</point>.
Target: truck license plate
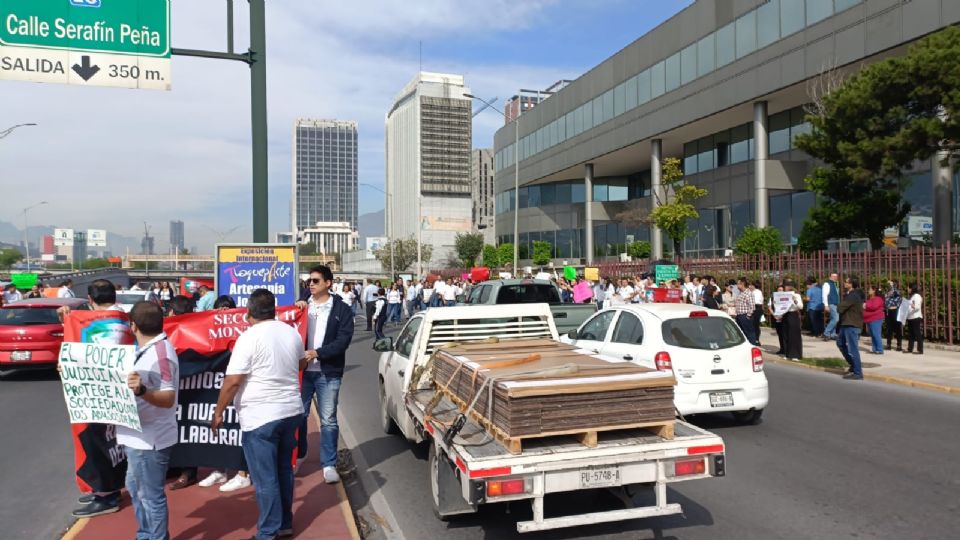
<point>721,399</point>
<point>20,356</point>
<point>596,477</point>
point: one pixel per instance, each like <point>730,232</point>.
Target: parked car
<point>532,291</point>
<point>31,333</point>
<point>126,299</point>
<point>716,368</point>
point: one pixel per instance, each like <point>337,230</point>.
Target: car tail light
<point>663,362</point>
<point>57,333</point>
<point>699,314</point>
<point>757,356</point>
<point>688,467</point>
<point>503,488</point>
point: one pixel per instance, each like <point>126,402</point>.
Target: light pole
<point>26,241</point>
<point>9,130</point>
<point>516,180</point>
<point>389,223</point>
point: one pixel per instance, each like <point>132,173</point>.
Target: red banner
<point>213,332</point>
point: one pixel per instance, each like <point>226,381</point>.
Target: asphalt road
<point>36,458</point>
<point>832,459</point>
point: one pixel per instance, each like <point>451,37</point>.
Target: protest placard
<point>781,303</point>
<point>94,377</point>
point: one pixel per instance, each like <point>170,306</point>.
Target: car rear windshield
<point>532,293</point>
<point>25,316</point>
<point>130,298</point>
<point>707,333</point>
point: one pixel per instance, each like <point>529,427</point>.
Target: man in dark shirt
<point>851,321</point>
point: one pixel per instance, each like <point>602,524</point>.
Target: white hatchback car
<point>716,368</point>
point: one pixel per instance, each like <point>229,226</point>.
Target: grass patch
<point>825,362</point>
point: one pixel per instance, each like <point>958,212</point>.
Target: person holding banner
<point>154,382</point>
<point>262,381</point>
<point>329,333</point>
<point>792,339</point>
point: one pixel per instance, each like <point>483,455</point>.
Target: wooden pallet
<point>588,438</point>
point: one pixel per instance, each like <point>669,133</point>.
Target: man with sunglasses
<point>329,333</point>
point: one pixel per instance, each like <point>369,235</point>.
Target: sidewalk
<point>935,367</point>
<point>320,511</point>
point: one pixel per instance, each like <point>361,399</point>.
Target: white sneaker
<point>216,477</point>
<point>235,483</point>
<point>330,475</point>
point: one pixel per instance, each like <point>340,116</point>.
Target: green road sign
<point>137,27</point>
<point>666,272</point>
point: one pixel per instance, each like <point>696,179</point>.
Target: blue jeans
<point>146,471</point>
<point>831,329</point>
<point>875,337</point>
<point>848,341</point>
<point>327,390</point>
<point>393,312</point>
<point>269,451</point>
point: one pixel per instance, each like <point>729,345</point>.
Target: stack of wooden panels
<point>542,388</point>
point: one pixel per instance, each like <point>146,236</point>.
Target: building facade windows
<point>756,29</point>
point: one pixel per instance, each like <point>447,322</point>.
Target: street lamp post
<point>9,130</point>
<point>389,225</point>
<point>516,180</point>
<point>26,241</point>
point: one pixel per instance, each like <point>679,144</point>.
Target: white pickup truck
<point>468,469</point>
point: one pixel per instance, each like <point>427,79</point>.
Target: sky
<point>113,158</point>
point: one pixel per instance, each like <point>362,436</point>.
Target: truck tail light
<point>688,467</point>
<point>513,486</point>
<point>663,362</point>
<point>757,356</point>
<point>699,314</point>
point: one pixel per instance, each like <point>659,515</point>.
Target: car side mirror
<point>383,345</point>
<point>573,335</point>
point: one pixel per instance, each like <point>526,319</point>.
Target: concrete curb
<point>767,357</point>
<point>345,506</point>
<point>75,529</point>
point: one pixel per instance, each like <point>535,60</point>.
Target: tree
<point>310,248</point>
<point>491,257</point>
<point>639,249</point>
<point>873,126</point>
<point>505,254</point>
<point>404,254</point>
<point>759,240</point>
<point>10,257</point>
<point>92,264</point>
<point>542,252</point>
<point>468,247</point>
<point>676,209</point>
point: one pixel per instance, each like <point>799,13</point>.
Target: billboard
<point>96,238</point>
<point>243,268</point>
<point>63,237</point>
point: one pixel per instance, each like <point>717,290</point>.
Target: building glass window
<point>639,185</point>
<point>845,4</point>
<point>801,202</point>
<point>740,143</point>
<point>746,34</point>
<point>779,132</point>
<point>533,197</point>
<point>619,99</point>
<point>688,64</point>
<point>568,125</point>
<point>780,215</point>
<point>617,190</point>
<point>578,120</point>
<point>690,158</point>
<point>705,154</point>
<point>564,242</point>
<point>672,67</point>
<point>607,105</point>
<point>768,23</point>
<point>656,80</point>
<point>577,193</point>
<point>726,45</point>
<point>705,55</point>
<point>563,194</point>
<point>600,192</point>
<point>548,194</point>
<point>741,214</point>
<point>630,93</point>
<point>818,10</point>
<point>643,87</point>
<point>798,124</point>
<point>791,17</point>
<point>721,142</point>
<point>918,191</point>
<point>597,110</point>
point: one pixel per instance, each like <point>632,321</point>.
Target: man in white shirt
<point>11,294</point>
<point>369,296</point>
<point>438,298</point>
<point>262,381</point>
<point>413,289</point>
<point>625,291</point>
<point>154,380</point>
<point>66,290</point>
<point>450,294</point>
<point>337,286</point>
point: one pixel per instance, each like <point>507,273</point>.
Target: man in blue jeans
<point>851,321</point>
<point>154,382</point>
<point>329,333</point>
<point>831,299</point>
<point>262,381</point>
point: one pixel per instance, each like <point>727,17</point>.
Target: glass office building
<point>324,173</point>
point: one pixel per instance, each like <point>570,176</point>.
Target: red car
<point>31,333</point>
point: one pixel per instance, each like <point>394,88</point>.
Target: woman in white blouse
<point>915,319</point>
<point>792,339</point>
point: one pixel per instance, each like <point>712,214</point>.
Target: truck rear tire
<point>386,421</point>
<point>433,461</point>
